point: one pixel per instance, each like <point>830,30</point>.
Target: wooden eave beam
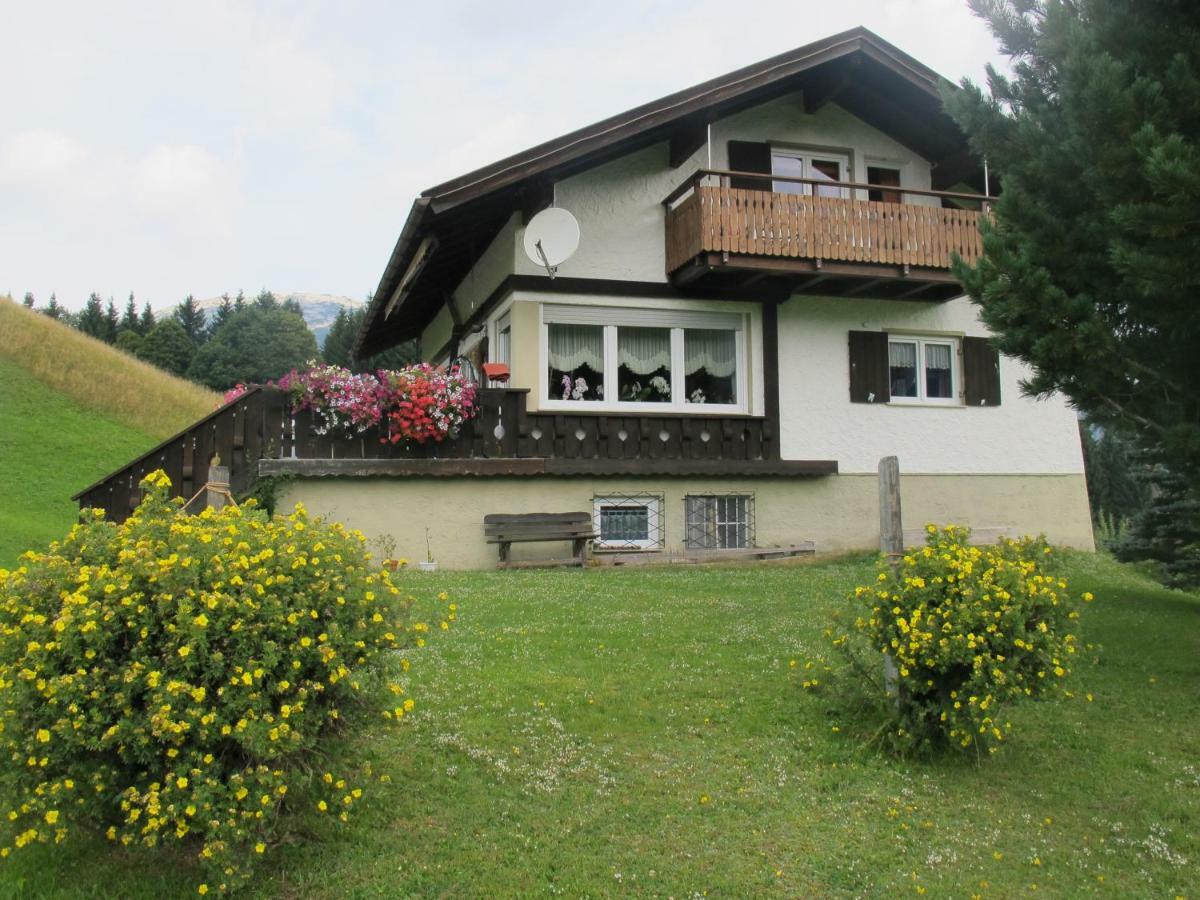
<point>686,140</point>
<point>534,198</point>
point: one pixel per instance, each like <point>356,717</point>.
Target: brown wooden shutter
<point>981,372</point>
<point>750,156</point>
<point>869,381</point>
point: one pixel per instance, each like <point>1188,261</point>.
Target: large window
<point>719,521</point>
<point>921,370</point>
<point>817,165</point>
<point>640,359</point>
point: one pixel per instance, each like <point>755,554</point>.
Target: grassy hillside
<point>72,409</point>
<point>98,377</point>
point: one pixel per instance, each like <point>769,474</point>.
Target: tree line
<point>239,341</point>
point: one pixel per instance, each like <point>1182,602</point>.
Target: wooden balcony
<point>719,235</point>
<point>257,435</point>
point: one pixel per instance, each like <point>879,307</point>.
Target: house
<point>761,307</point>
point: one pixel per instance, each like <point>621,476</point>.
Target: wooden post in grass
<point>891,529</point>
<point>891,544</point>
<point>216,495</point>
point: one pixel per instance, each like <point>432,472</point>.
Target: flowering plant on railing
<point>339,400</point>
<point>417,403</point>
<point>424,404</point>
<point>234,393</point>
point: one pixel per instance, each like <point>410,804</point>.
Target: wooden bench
<point>506,530</point>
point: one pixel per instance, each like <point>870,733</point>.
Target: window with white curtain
<point>922,370</point>
<point>643,358</point>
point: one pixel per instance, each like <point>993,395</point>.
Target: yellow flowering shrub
<point>963,631</point>
<point>173,679</point>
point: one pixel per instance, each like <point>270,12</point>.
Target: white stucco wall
<point>818,421</point>
<point>619,204</point>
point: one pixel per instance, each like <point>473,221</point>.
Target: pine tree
<point>191,317</point>
<point>220,315</point>
<point>112,322</point>
<point>1089,273</point>
<point>292,305</point>
<point>29,301</point>
<point>1116,479</point>
<point>1167,531</point>
<point>129,321</point>
<point>91,320</point>
<point>147,322</point>
<point>53,310</point>
<point>265,300</point>
<point>338,340</point>
<point>239,302</point>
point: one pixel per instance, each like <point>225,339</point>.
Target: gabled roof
<point>870,78</point>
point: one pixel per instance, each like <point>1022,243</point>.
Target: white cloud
<point>186,188</point>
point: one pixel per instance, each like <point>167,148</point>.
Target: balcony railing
<point>707,215</point>
<point>257,434</point>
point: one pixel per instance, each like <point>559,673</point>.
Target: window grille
<point>719,521</point>
<point>628,521</point>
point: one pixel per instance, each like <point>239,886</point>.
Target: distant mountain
<point>319,309</point>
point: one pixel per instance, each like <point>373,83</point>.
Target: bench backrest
<point>533,525</point>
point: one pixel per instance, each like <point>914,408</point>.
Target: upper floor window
<point>644,359</point>
<point>818,165</point>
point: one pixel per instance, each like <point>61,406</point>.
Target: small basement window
<point>628,521</point>
<point>922,370</point>
<point>719,521</point>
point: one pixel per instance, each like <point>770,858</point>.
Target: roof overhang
<point>858,70</point>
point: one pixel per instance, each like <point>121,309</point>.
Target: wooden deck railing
<point>259,425</point>
<point>718,218</point>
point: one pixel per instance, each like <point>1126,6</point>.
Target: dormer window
<point>817,165</point>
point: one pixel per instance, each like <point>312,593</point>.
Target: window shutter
<point>750,156</point>
<point>869,382</point>
<point>981,372</point>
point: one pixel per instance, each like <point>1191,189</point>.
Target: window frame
<point>743,525</point>
<point>921,341</point>
<point>678,322</point>
<point>806,157</point>
<point>654,506</point>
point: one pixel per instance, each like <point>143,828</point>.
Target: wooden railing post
<point>216,491</point>
<point>891,529</point>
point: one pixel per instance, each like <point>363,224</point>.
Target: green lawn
<point>50,448</point>
<point>571,727</point>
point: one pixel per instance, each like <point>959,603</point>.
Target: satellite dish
<point>550,238</point>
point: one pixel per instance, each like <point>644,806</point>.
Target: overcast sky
<point>170,148</point>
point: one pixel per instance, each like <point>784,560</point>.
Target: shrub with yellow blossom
<point>963,631</point>
<point>171,679</point>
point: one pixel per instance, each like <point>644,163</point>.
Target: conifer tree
<point>239,302</point>
<point>29,300</point>
<point>1167,531</point>
<point>1089,273</point>
<point>191,317</point>
<point>147,322</point>
<point>220,315</point>
<point>112,322</point>
<point>129,321</point>
<point>265,300</point>
<point>338,340</point>
<point>53,310</point>
<point>91,320</point>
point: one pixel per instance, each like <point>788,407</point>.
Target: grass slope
<point>50,447</point>
<point>72,409</point>
<point>570,726</point>
<point>98,377</point>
